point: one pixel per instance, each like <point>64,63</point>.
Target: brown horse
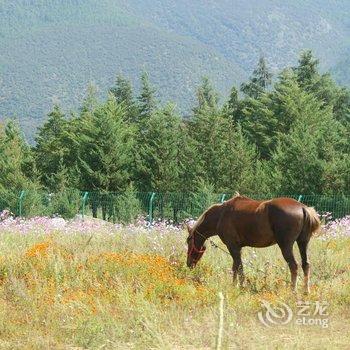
<point>241,222</point>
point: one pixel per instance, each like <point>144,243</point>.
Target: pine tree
<point>232,102</point>
<point>16,165</point>
<point>314,144</point>
<point>259,82</point>
<point>123,94</point>
<point>341,107</point>
<point>147,101</point>
<point>203,127</point>
<point>296,157</point>
<point>207,97</point>
<point>51,149</point>
<point>106,148</point>
<point>59,181</point>
<point>323,87</point>
<point>274,114</point>
<point>205,130</point>
<point>164,152</point>
<point>260,124</point>
<point>327,91</point>
<point>239,165</point>
<point>307,69</point>
<point>225,159</point>
<point>90,100</point>
<point>202,198</point>
<point>127,206</point>
<point>65,201</point>
<point>232,107</point>
<point>336,174</point>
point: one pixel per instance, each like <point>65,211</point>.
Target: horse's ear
<point>188,227</point>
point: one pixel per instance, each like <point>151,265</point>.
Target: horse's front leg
<point>237,267</point>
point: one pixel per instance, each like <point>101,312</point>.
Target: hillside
<point>341,71</point>
<point>50,51</point>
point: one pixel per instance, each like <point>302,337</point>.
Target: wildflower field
<point>94,285</point>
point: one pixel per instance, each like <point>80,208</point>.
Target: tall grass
<point>117,288</point>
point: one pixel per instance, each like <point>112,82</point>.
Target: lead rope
<point>213,244</point>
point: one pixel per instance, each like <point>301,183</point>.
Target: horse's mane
<point>238,195</point>
<point>202,217</point>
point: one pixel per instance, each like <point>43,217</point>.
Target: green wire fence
<point>122,206</point>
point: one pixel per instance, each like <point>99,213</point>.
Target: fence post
<point>300,198</point>
<point>20,204</point>
<point>150,208</point>
<point>221,322</point>
<point>222,200</point>
<point>85,195</point>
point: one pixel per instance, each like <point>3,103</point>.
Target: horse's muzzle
<point>191,265</point>
<point>194,256</point>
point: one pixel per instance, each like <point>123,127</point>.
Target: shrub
<point>203,198</point>
<point>65,203</point>
<point>127,206</point>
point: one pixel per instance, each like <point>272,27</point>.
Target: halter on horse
<point>194,254</point>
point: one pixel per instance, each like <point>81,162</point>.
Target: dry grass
<point>121,291</point>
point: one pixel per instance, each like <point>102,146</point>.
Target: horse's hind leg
<point>303,244</point>
<point>287,251</point>
<point>237,267</point>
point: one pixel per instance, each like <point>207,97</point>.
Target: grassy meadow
<point>95,285</point>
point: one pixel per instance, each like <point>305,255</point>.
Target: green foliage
<point>305,155</point>
<point>273,115</point>
<point>50,149</point>
<point>224,156</point>
<point>16,166</point>
<point>207,97</point>
<point>203,197</point>
<point>307,70</point>
<point>164,152</point>
<point>260,124</point>
<point>147,99</point>
<point>289,137</point>
<point>127,206</point>
<point>65,203</point>
<point>123,94</point>
<point>240,162</point>
<point>259,82</point>
<point>323,87</point>
<point>297,160</point>
<point>105,148</point>
<point>35,203</point>
<point>232,105</point>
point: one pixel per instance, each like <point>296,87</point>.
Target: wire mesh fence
<point>121,206</point>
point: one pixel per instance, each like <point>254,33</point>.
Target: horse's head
<point>195,245</point>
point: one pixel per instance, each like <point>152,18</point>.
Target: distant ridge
<point>50,51</point>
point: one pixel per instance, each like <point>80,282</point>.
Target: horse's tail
<point>312,222</point>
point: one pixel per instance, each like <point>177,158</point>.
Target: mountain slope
<point>62,76</point>
<point>242,30</point>
<point>50,51</point>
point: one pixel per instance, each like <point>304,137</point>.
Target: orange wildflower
<point>39,249</point>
